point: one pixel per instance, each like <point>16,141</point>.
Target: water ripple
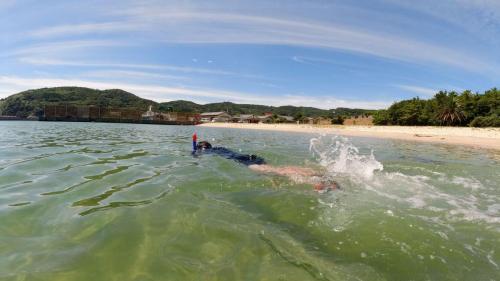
<point>94,201</point>
<point>108,172</point>
<point>114,205</point>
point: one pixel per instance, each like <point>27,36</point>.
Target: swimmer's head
<point>203,145</point>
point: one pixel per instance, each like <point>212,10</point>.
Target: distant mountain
<point>180,106</point>
<point>343,111</point>
<point>31,102</point>
<point>235,109</point>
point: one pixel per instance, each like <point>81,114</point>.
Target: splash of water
<point>339,156</point>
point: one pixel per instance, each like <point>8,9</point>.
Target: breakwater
<point>9,118</point>
<point>76,113</point>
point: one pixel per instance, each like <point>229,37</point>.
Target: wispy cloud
<point>422,91</point>
<point>164,93</point>
<point>302,60</point>
<point>319,61</point>
<point>183,69</point>
<point>193,27</point>
<point>60,47</point>
<point>372,41</point>
<point>258,30</point>
<point>59,62</point>
<point>85,28</point>
<point>128,74</point>
<point>4,4</point>
<point>159,93</point>
<point>481,17</point>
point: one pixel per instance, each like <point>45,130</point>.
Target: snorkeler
<point>296,174</point>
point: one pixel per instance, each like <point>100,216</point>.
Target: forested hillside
<point>31,102</point>
<point>235,109</point>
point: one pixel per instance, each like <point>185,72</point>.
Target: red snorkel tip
<point>195,138</point>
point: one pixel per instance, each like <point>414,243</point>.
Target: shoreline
<point>488,138</point>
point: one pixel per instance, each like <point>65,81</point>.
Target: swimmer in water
<point>299,175</point>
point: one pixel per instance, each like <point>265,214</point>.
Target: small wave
<point>339,156</point>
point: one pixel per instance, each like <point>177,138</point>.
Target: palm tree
<point>299,117</point>
<point>275,118</point>
<point>450,112</point>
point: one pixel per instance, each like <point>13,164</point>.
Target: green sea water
<point>91,201</point>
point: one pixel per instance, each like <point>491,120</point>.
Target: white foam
<point>494,210</point>
<point>339,156</point>
<point>443,235</point>
<point>490,259</point>
<point>470,183</point>
<point>344,159</point>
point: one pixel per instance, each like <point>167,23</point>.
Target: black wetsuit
<point>245,159</point>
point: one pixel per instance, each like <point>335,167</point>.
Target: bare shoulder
<point>261,168</point>
<point>283,170</point>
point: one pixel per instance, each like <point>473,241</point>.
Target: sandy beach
<point>475,137</point>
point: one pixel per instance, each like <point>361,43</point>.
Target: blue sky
<point>327,54</point>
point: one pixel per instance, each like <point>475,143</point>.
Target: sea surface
<point>95,201</point>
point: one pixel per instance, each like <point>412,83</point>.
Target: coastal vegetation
<point>445,109</point>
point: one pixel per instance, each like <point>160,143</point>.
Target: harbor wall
<point>74,113</point>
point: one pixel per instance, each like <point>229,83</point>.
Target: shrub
<point>381,117</point>
<point>339,120</point>
<point>486,121</point>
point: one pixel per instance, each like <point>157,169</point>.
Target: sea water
<point>94,201</point>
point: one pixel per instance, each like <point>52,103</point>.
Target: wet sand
<point>474,137</point>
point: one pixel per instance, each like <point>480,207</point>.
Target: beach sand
<point>475,137</point>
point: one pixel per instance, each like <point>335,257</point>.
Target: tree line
<point>445,109</point>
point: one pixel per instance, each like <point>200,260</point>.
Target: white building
<point>246,118</point>
<point>219,116</point>
<point>148,115</point>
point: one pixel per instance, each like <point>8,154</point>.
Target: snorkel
<point>195,138</point>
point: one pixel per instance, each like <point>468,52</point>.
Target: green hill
<point>180,106</point>
<point>31,102</point>
<point>235,109</point>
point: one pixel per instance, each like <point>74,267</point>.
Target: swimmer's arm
<point>298,175</point>
<point>284,171</point>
